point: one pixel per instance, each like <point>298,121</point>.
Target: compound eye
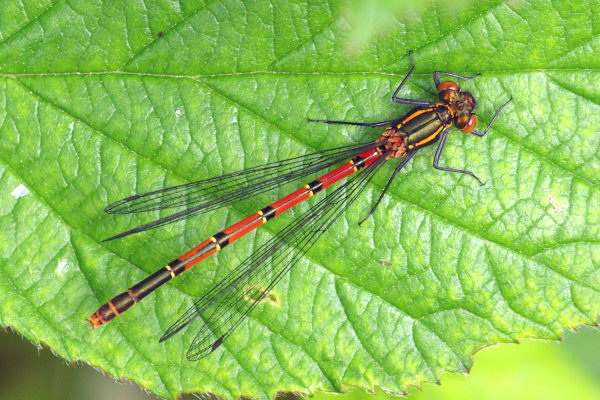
<point>470,125</point>
<point>462,120</point>
<point>447,85</point>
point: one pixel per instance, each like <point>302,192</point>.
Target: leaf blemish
<point>256,293</point>
<point>19,191</point>
<point>62,267</point>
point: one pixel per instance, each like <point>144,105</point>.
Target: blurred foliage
<point>530,370</point>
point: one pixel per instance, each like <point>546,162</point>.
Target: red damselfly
<point>226,305</point>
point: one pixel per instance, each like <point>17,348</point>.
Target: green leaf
<point>99,100</point>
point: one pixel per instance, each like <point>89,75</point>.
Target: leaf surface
<point>100,100</point>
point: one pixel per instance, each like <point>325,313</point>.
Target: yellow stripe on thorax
<point>428,138</point>
<point>416,114</point>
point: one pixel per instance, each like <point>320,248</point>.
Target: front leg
<point>480,134</point>
<point>395,98</point>
<point>438,154</point>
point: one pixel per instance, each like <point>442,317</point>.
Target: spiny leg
<point>401,100</point>
<point>480,134</point>
<point>438,153</point>
<point>398,168</point>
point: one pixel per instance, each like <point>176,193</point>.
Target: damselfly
<point>226,305</point>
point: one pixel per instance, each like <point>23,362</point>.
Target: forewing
<point>210,194</point>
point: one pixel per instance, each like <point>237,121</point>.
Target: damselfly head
<point>462,103</point>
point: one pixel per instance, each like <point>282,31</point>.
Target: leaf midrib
<point>505,71</point>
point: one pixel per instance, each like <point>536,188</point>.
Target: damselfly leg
<point>438,152</point>
<point>396,99</point>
